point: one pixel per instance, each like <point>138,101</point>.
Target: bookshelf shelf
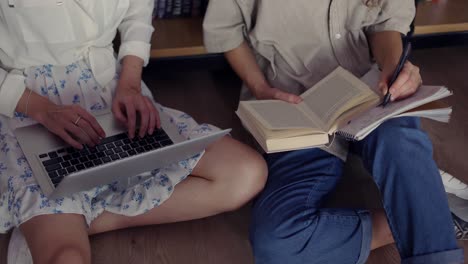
<point>184,36</point>
<point>443,16</point>
<point>177,37</point>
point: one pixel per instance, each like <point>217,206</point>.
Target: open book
<point>340,103</point>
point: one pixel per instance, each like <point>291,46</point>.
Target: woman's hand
<point>128,101</point>
<point>70,122</point>
<point>266,92</point>
<point>406,84</point>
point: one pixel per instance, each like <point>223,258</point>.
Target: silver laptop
<point>62,170</point>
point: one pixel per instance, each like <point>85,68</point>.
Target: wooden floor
<point>211,97</point>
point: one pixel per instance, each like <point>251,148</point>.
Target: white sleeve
<point>12,87</point>
<point>136,29</point>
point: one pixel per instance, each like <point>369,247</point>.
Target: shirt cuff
<point>390,26</point>
<point>135,48</point>
<point>11,91</point>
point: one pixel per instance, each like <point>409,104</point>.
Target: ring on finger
<point>77,120</point>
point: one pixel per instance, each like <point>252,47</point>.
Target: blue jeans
<point>290,225</point>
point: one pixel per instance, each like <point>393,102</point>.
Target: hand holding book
<point>266,92</point>
<point>341,104</point>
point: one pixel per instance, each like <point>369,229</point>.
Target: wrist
<point>132,68</point>
<point>259,87</point>
<point>38,108</point>
<point>129,85</point>
<point>388,69</point>
<point>130,81</point>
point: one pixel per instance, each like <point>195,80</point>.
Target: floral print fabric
<point>21,197</point>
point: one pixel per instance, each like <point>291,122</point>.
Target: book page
<point>335,94</point>
<point>371,78</point>
<point>278,115</point>
<point>361,126</point>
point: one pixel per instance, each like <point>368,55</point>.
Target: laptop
<point>62,170</point>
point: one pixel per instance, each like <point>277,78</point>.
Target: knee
<point>70,254</point>
<point>265,242</point>
<point>402,141</point>
<point>247,180</point>
<point>281,241</point>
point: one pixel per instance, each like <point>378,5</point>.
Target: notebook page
<point>440,115</point>
<point>371,78</point>
<point>361,126</point>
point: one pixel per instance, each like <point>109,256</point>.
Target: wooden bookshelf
<point>184,36</point>
<point>177,37</point>
<point>442,16</point>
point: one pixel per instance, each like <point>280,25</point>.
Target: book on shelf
<point>186,8</point>
<point>340,104</point>
<point>179,8</point>
<point>161,8</point>
<point>196,8</point>
<point>169,8</point>
<point>155,9</point>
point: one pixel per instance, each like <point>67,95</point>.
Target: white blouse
<point>60,32</point>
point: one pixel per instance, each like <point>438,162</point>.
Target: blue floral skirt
<point>21,197</point>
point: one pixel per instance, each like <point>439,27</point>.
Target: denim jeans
<point>291,226</point>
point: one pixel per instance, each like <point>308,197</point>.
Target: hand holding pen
<point>404,81</point>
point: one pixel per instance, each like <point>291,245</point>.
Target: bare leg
<point>381,233</point>
<point>58,238</point>
<point>228,175</point>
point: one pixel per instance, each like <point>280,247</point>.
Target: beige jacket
<point>299,42</point>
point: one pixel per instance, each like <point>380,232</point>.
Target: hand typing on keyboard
<point>128,100</point>
<point>72,123</point>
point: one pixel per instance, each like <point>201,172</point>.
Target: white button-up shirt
<point>60,32</point>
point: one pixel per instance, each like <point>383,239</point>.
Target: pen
<point>401,63</point>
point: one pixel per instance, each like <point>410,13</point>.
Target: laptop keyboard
<point>65,161</point>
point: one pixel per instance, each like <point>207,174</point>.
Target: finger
<point>288,97</point>
<point>144,118</point>
<point>153,115</point>
<point>409,88</point>
<point>68,139</point>
<point>118,113</point>
<point>131,117</point>
<point>411,85</point>
<point>89,130</point>
<point>79,134</point>
<point>416,77</point>
<point>158,118</point>
<point>92,123</point>
<point>402,78</point>
<point>383,87</point>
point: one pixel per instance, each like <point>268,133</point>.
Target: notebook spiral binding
<point>347,136</point>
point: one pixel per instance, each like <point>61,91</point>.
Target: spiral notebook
<point>339,104</point>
